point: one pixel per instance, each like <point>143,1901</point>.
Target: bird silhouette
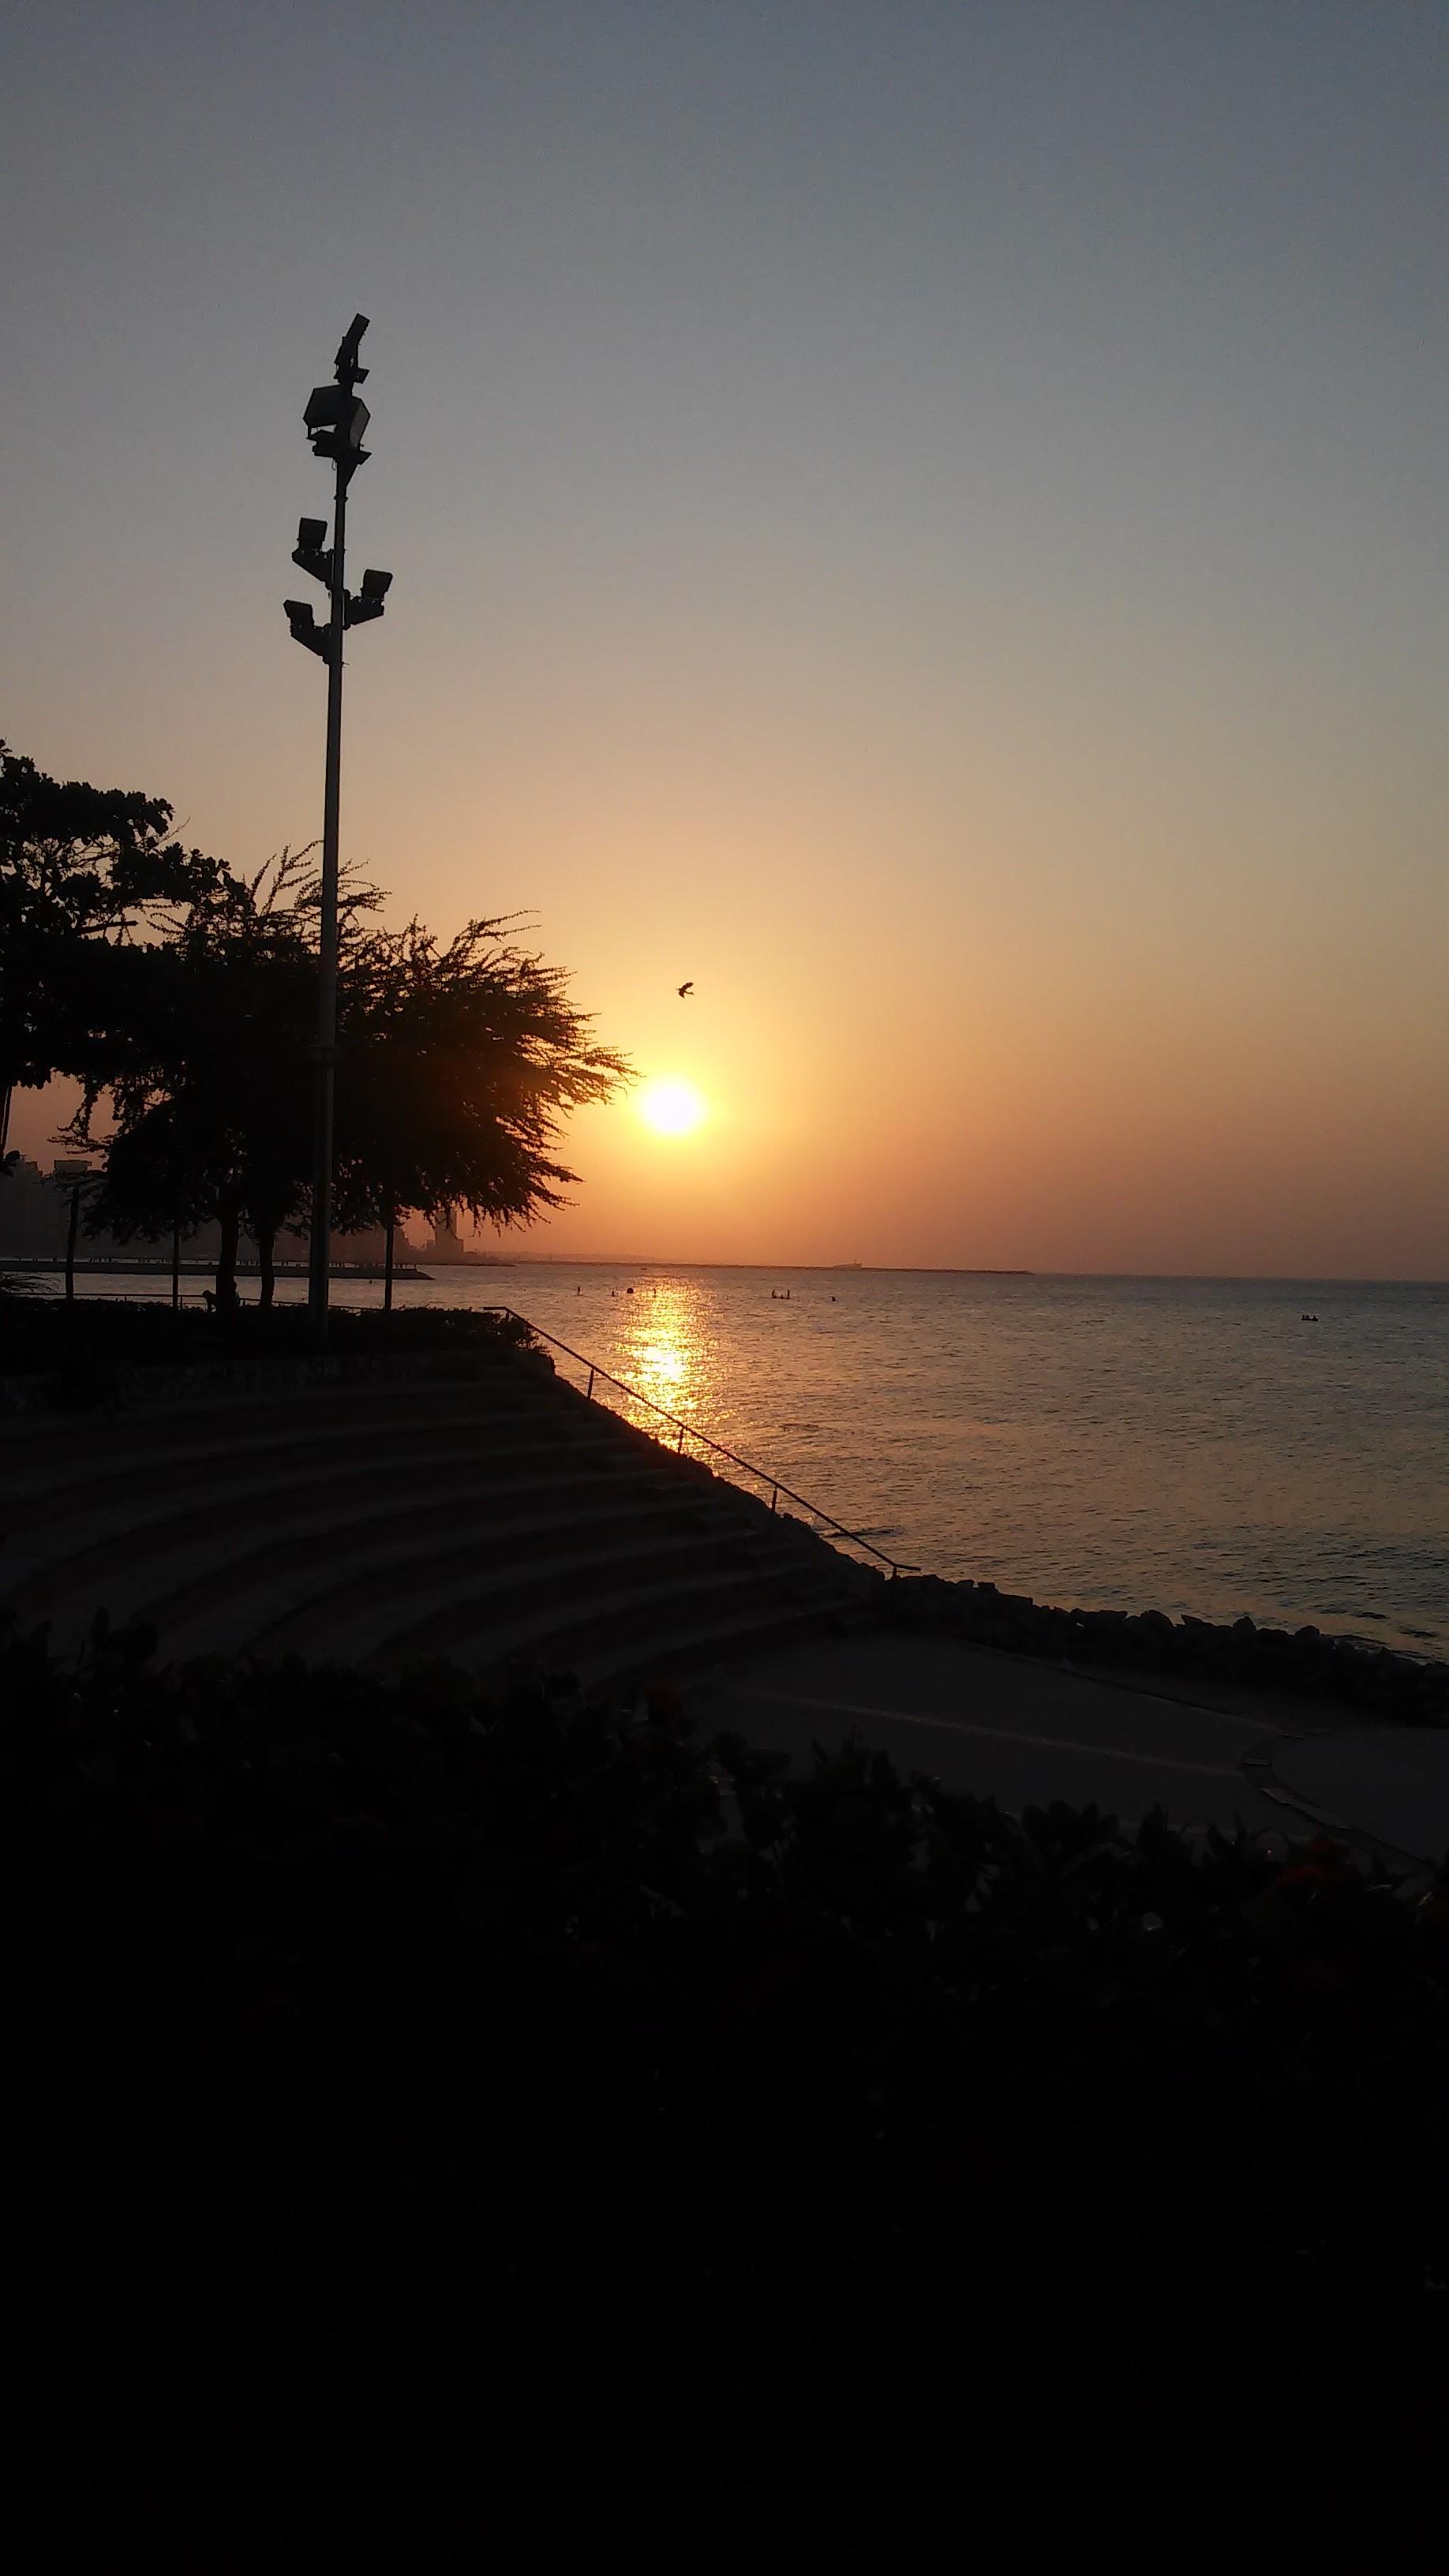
<point>685,990</point>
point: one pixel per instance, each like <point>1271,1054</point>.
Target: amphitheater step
<point>467,1592</point>
<point>174,1420</point>
<point>600,1634</point>
<point>675,1653</point>
<point>486,1516</point>
<point>332,1603</point>
<point>99,1553</point>
<point>228,1446</point>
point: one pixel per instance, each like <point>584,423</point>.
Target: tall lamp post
<point>336,419</point>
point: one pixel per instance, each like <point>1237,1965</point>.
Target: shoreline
<point>1396,1683</point>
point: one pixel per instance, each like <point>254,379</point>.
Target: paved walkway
<point>1025,1733</point>
<point>1390,1782</point>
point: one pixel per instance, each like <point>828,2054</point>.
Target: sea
<point>1211,1446</point>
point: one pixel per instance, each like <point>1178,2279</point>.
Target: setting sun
<point>671,1108</point>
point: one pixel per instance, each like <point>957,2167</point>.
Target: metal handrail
<point>682,1428</point>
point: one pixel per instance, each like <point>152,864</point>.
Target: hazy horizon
<point>484,1252</point>
<point>927,522</point>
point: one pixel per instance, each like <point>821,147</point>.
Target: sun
<point>671,1108</point>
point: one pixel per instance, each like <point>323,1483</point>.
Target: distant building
<point>446,1244</point>
<point>367,1248</point>
<point>33,1213</point>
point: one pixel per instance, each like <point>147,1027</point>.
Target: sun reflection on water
<point>664,1352</point>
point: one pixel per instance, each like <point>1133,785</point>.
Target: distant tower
<point>447,1243</point>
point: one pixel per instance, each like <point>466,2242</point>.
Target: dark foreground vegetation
<point>441,2110</point>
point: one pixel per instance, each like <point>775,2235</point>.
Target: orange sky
<point>928,523</point>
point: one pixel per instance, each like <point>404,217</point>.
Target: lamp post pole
<point>336,418</point>
<point>320,1243</point>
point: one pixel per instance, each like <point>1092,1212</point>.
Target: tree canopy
<point>80,867</point>
<point>207,1071</point>
<point>458,1060</point>
<point>183,998</point>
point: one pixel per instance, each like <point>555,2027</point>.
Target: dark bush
<point>439,2107</point>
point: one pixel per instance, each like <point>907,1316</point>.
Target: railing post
<point>679,1443</point>
<point>774,1497</point>
<point>590,1387</point>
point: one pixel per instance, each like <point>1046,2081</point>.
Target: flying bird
<point>685,990</point>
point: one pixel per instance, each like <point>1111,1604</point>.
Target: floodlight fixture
<point>304,626</point>
<point>349,369</point>
<point>326,405</point>
<point>371,600</point>
<point>335,421</point>
<point>313,554</point>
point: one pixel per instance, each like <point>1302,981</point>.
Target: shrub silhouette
<point>509,2108</point>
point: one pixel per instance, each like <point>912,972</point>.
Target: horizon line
<point>931,1269</point>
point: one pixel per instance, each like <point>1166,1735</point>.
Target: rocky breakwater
<point>1402,1688</point>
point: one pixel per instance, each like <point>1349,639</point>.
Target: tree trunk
<point>70,1236</point>
<point>387,1259</point>
<point>226,1296</point>
<point>267,1262</point>
<point>175,1265</point>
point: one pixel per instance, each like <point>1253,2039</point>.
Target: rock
<point>1346,1668</point>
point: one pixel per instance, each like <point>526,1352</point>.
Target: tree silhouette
<point>81,870</point>
<point>458,1059</point>
<point>457,1062</point>
<point>208,1065</point>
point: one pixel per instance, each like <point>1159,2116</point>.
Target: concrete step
<point>483,1517</point>
<point>676,1653</point>
<point>96,1550</point>
<point>72,1470</point>
<point>141,1425</point>
<point>345,1578</point>
<point>602,1631</point>
<point>356,1619</point>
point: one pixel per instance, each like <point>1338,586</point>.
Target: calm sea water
<point>1188,1445</point>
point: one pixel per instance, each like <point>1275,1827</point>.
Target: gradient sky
<point>928,519</point>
